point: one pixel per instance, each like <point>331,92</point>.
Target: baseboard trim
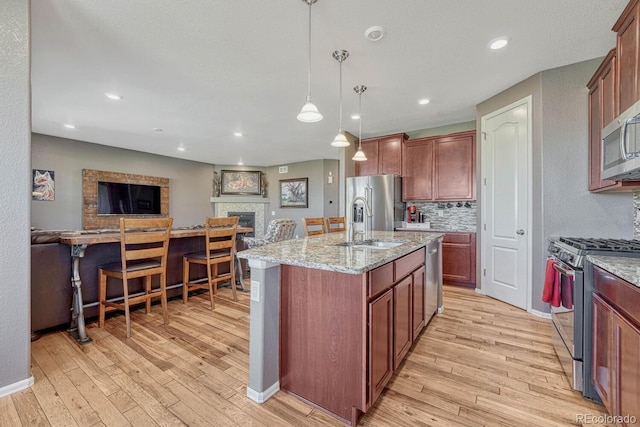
<point>263,396</point>
<point>540,314</point>
<point>480,291</point>
<point>15,387</point>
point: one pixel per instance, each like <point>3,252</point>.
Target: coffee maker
<point>412,214</point>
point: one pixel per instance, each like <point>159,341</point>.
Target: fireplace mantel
<point>239,199</point>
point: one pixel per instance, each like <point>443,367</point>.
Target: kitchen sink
<point>372,244</point>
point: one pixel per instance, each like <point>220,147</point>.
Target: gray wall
<point>562,204</point>
<point>323,197</point>
<point>190,183</point>
<point>15,193</point>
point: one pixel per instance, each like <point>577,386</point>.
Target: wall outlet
<point>283,169</point>
<point>273,213</point>
<point>440,212</point>
<point>255,291</point>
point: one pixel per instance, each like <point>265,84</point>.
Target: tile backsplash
<point>456,215</point>
<point>636,215</point>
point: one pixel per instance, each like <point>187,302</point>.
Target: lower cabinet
<point>402,314</point>
<point>419,309</point>
<point>381,343</point>
<point>615,366</point>
<point>459,259</point>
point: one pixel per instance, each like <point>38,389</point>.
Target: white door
<point>506,201</point>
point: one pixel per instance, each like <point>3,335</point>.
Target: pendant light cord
<point>309,64</point>
<point>360,121</point>
<point>340,131</point>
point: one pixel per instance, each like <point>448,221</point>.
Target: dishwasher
<point>433,279</point>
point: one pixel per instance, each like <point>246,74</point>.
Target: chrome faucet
<point>367,220</point>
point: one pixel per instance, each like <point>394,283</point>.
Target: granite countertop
<point>626,268</point>
<point>320,252</point>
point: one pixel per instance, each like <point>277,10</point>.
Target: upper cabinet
<point>440,168</point>
<point>384,155</point>
<point>613,88</point>
<point>628,72</point>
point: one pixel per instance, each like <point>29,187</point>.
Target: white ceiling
<point>203,69</point>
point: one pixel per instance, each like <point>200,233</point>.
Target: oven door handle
<point>563,270</point>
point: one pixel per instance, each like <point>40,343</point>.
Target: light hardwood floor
<point>481,362</point>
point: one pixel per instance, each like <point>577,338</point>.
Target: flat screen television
<point>116,198</point>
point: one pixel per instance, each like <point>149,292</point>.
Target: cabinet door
<point>627,46</point>
<point>417,170</point>
<point>600,362</point>
<point>418,283</point>
<point>380,343</point>
<point>626,367</point>
<point>369,166</point>
<point>454,170</point>
<point>402,311</point>
<point>459,258</point>
<point>390,155</point>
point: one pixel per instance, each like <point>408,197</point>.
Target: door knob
<point>520,232</point>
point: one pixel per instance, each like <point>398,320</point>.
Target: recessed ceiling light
<point>158,129</point>
<point>113,96</point>
<point>182,148</point>
<point>375,33</point>
<point>423,101</point>
<point>237,133</point>
<point>355,116</point>
<point>499,43</point>
<point>69,125</point>
<point>240,163</point>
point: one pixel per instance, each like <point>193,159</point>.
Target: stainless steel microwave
<point>621,146</point>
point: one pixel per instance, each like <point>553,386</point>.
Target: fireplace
<point>246,219</point>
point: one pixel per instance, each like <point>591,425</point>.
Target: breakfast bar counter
<point>331,320</point>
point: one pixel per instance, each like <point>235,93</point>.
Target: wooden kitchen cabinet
<point>380,343</point>
<point>384,156</point>
<point>419,309</point>
<point>402,326</point>
<point>342,335</point>
<point>601,365</point>
<point>615,365</point>
<point>459,259</point>
<point>440,168</point>
<point>627,28</point>
<point>603,109</point>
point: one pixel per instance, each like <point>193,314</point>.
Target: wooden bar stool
<point>311,225</point>
<point>144,244</point>
<point>336,224</point>
<point>220,249</point>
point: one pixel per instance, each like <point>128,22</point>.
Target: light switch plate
<point>255,291</point>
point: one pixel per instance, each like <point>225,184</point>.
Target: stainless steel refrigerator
<point>383,195</point>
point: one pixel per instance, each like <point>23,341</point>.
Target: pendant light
<point>309,112</point>
<point>359,156</point>
<point>340,140</point>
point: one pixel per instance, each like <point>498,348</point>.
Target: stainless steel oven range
<point>571,331</point>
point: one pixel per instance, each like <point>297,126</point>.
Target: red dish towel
<point>549,279</point>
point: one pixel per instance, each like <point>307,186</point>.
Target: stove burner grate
<point>618,245</point>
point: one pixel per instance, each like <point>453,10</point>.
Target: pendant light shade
<point>309,112</point>
<point>359,156</point>
<point>340,140</point>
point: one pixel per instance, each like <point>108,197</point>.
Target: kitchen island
<point>330,322</point>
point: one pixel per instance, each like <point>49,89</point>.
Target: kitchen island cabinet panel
<point>380,343</point>
<point>323,330</point>
<point>402,326</point>
<point>418,316</point>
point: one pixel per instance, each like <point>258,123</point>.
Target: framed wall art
<point>293,193</point>
<point>43,185</point>
<point>240,182</point>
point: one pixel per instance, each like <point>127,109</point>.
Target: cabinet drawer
<point>380,279</point>
<point>408,263</point>
<point>457,238</point>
